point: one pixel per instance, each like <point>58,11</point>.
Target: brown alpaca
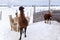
<point>47,17</point>
<point>16,21</point>
<point>28,19</point>
<point>22,21</point>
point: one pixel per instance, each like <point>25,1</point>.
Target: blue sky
<point>29,2</point>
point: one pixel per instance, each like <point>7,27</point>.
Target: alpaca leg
<point>50,21</point>
<point>45,21</point>
<point>25,32</point>
<point>18,30</point>
<point>11,27</point>
<point>20,33</point>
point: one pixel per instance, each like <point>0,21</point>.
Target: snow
<point>35,31</point>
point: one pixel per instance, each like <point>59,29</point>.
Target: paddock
<point>35,31</point>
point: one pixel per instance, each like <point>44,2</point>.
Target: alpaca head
<point>21,8</point>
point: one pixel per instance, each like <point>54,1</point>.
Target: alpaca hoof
<point>11,29</point>
<point>50,22</point>
<point>25,35</point>
<point>45,22</point>
<point>19,38</point>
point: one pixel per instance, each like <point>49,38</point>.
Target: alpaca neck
<point>22,14</point>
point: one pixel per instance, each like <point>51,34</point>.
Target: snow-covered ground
<point>35,31</point>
